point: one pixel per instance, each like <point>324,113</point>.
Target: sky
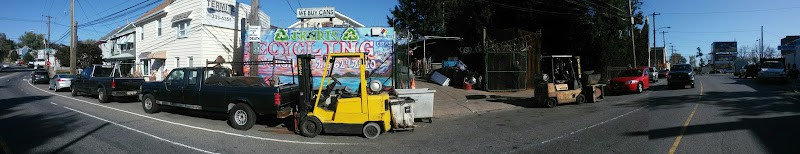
<point>20,16</point>
<point>698,23</point>
<point>694,23</point>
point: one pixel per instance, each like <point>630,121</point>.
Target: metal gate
<point>507,64</point>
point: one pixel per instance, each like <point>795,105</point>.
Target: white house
<point>185,33</point>
<point>317,17</point>
<point>118,46</point>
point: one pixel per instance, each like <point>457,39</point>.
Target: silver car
<point>61,81</point>
<point>653,74</point>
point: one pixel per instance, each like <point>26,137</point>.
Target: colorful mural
<point>286,44</point>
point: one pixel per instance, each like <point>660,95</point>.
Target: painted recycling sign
<point>287,43</point>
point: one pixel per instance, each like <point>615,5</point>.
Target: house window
<point>183,29</point>
<point>146,67</point>
<point>159,27</point>
<point>142,32</point>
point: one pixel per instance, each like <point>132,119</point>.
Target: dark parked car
<point>39,77</point>
<point>680,75</point>
<point>750,70</point>
<point>107,82</point>
<point>213,89</point>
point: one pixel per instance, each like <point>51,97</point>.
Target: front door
<point>174,84</point>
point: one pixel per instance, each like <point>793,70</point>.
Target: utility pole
<point>47,42</point>
<point>761,46</point>
<point>654,30</point>
<point>664,41</point>
<point>254,21</point>
<point>672,54</point>
<point>238,54</point>
<point>73,38</point>
<point>633,38</point>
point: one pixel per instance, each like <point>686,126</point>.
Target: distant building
<point>789,47</point>
<point>723,56</point>
<point>659,58</point>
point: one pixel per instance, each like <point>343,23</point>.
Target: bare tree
<point>770,52</point>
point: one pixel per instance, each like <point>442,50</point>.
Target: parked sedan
<point>663,73</point>
<point>40,77</point>
<point>631,80</point>
<point>61,81</point>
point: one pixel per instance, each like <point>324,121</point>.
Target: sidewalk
<point>450,101</point>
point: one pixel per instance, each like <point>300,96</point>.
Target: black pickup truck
<point>213,89</point>
<point>107,82</point>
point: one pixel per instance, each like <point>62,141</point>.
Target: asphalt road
<point>729,116</point>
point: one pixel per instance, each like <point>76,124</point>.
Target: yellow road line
<point>685,124</point>
<point>683,130</point>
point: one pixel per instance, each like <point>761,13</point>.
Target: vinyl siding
<point>204,42</point>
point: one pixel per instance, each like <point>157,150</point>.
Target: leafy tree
<point>677,59</point>
<point>88,53</point>
<point>13,56</point>
<point>590,28</point>
<point>32,40</point>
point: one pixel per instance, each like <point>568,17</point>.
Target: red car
<point>663,73</point>
<point>631,80</point>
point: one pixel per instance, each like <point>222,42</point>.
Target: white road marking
<point>138,131</point>
<point>194,127</point>
<point>53,103</point>
<point>601,123</point>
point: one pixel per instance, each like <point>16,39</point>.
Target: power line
<point>735,31</point>
<point>527,9</point>
<point>120,13</point>
<point>290,6</point>
<point>19,19</point>
<point>739,11</point>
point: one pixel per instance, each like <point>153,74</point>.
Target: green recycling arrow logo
<point>281,35</point>
<point>350,35</point>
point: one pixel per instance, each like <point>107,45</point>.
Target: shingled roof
<point>156,9</point>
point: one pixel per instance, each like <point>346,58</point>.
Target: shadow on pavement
<point>777,134</point>
<point>25,132</point>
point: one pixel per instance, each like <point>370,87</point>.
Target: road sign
<point>254,34</point>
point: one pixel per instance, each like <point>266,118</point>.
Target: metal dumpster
<point>402,113</point>
<point>423,105</point>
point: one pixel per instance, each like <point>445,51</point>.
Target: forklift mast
<point>305,78</point>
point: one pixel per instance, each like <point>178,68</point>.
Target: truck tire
<point>150,105</point>
<point>102,97</point>
<point>310,127</point>
<point>371,130</point>
<point>241,117</point>
<point>74,92</point>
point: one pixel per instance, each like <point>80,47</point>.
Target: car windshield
<point>771,65</point>
<point>681,68</point>
<point>629,73</point>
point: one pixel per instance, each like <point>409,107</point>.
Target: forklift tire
<point>580,99</point>
<point>550,102</point>
<point>241,117</point>
<point>371,130</point>
<point>310,126</point>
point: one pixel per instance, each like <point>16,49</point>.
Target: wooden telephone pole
<point>73,39</point>
<point>254,22</point>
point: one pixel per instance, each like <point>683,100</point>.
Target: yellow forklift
<point>561,82</point>
<point>332,108</point>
